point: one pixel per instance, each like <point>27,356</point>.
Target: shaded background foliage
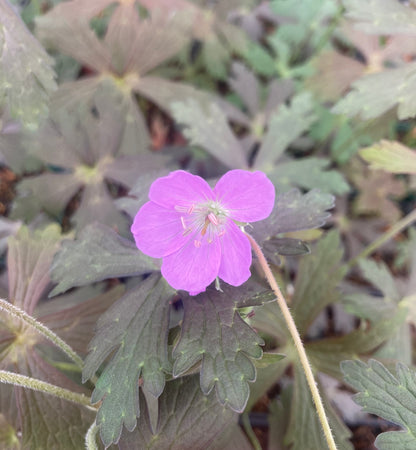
<point>98,98</point>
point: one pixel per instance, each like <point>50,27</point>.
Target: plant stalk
<point>42,329</point>
<point>42,386</point>
<point>396,228</point>
<point>298,344</point>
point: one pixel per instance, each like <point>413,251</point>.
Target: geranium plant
<point>207,238</point>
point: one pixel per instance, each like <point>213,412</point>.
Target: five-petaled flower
<point>197,229</point>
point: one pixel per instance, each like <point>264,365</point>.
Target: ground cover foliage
<point>98,99</point>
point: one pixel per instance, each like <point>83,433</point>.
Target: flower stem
<point>90,437</point>
<point>42,329</point>
<point>47,388</point>
<point>396,228</point>
<point>298,344</point>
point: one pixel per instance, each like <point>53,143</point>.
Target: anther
<point>213,218</point>
<point>197,243</point>
<point>183,223</point>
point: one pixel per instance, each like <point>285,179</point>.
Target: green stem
<point>298,344</point>
<point>90,437</point>
<point>42,329</point>
<point>396,228</point>
<point>47,388</point>
<point>249,431</point>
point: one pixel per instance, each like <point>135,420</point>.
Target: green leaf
<point>187,420</point>
<point>294,211</point>
<point>305,430</point>
<point>388,396</point>
<point>288,123</point>
<point>391,156</point>
<point>138,325</point>
<point>213,331</point>
<point>327,354</point>
<point>317,279</point>
<point>382,16</point>
<point>286,246</point>
<point>309,173</point>
<point>26,74</point>
<point>98,253</point>
<point>374,94</point>
<point>259,59</point>
<point>207,127</point>
<point>379,275</point>
<point>269,369</point>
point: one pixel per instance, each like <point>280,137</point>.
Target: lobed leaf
<point>382,16</point>
<point>29,259</point>
<point>288,123</point>
<point>391,156</point>
<point>374,94</point>
<point>304,430</point>
<point>207,127</point>
<point>294,211</point>
<point>214,333</point>
<point>388,396</point>
<point>97,254</point>
<point>317,279</point>
<point>26,73</point>
<point>309,173</point>
<point>137,325</point>
<point>187,420</point>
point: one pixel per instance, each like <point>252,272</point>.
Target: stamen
<point>221,233</point>
<point>190,209</point>
<point>186,231</point>
<point>204,229</point>
<point>197,243</point>
<point>213,218</point>
<point>183,223</point>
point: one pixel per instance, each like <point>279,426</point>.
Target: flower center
<point>206,220</point>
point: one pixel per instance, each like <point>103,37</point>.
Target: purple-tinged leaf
<point>30,412</point>
<point>98,253</point>
<point>73,38</point>
<point>214,333</point>
<point>98,205</point>
<point>29,260</point>
<point>187,420</point>
<point>76,324</point>
<point>294,211</point>
<point>137,327</point>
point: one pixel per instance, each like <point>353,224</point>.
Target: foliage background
<point>98,98</point>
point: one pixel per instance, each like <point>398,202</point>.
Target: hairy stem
<point>43,386</point>
<point>90,437</point>
<point>42,329</point>
<point>396,228</point>
<point>298,344</point>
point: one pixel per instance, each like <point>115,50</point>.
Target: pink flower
<point>196,229</point>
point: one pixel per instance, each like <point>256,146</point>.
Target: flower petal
<point>249,196</point>
<point>158,231</point>
<point>235,256</point>
<point>178,189</point>
<point>193,268</point>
